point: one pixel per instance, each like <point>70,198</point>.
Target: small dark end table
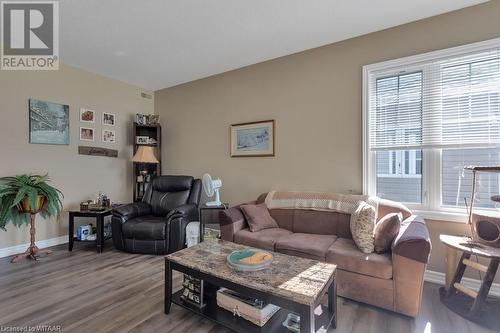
<point>99,216</point>
<point>210,215</point>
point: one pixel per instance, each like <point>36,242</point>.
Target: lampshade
<point>145,154</point>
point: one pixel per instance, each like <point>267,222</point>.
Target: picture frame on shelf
<point>108,119</point>
<point>147,119</point>
<point>253,139</point>
<point>140,119</point>
<point>108,136</point>
<point>86,134</point>
<point>153,119</point>
<point>142,140</point>
<point>87,116</point>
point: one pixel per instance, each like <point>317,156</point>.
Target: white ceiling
<point>161,43</point>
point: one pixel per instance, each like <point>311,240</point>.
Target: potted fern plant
<point>21,198</point>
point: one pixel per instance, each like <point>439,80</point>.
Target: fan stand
<point>217,201</point>
<point>33,252</point>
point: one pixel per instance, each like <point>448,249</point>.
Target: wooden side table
<point>99,216</point>
<point>473,305</point>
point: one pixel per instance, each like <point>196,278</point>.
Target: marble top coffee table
<point>292,283</point>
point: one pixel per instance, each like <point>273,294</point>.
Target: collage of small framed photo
<point>88,133</point>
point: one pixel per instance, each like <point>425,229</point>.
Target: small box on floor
<point>83,232</point>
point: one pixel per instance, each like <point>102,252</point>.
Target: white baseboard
<point>9,251</point>
<point>439,278</point>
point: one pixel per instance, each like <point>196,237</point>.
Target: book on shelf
<point>193,290</point>
<point>210,233</point>
<point>251,309</point>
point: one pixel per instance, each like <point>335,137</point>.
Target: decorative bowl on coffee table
<point>249,259</point>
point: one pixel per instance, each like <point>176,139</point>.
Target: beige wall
<point>315,97</point>
<point>79,177</point>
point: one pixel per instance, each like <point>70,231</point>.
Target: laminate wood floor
<point>83,291</point>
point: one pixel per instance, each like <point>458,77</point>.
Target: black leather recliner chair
<point>157,225</point>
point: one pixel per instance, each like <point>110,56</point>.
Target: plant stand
<point>474,305</point>
<point>33,252</point>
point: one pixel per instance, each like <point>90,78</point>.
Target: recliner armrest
<point>130,211</point>
<point>413,240</point>
<point>177,220</point>
<point>188,211</point>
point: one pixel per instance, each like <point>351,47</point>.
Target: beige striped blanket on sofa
<point>322,201</point>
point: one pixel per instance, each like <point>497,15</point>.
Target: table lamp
<point>145,155</point>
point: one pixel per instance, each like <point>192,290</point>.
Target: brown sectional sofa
<point>392,280</point>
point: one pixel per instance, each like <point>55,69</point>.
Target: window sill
<point>446,216</point>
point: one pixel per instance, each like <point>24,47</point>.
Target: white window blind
<point>424,118</point>
<point>445,103</point>
<point>397,113</point>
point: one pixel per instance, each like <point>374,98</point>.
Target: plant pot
<point>25,207</point>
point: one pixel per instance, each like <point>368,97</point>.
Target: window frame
<point>430,207</point>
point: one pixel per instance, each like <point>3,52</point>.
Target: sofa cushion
<point>386,229</point>
<point>258,217</point>
<point>145,227</point>
<point>284,217</point>
<point>305,245</point>
<point>263,239</point>
<point>345,254</point>
<point>319,222</point>
<point>362,225</point>
<point>163,202</point>
<point>172,183</point>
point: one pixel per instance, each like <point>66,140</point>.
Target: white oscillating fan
<point>211,187</point>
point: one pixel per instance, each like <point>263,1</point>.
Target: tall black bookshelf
<point>152,132</point>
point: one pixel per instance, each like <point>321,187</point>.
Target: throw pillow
<point>386,229</point>
<point>258,217</point>
<point>362,225</point>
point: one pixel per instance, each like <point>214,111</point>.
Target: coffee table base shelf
<point>238,324</point>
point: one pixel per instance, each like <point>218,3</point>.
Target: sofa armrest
<point>231,221</point>
<point>130,211</point>
<point>413,240</point>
